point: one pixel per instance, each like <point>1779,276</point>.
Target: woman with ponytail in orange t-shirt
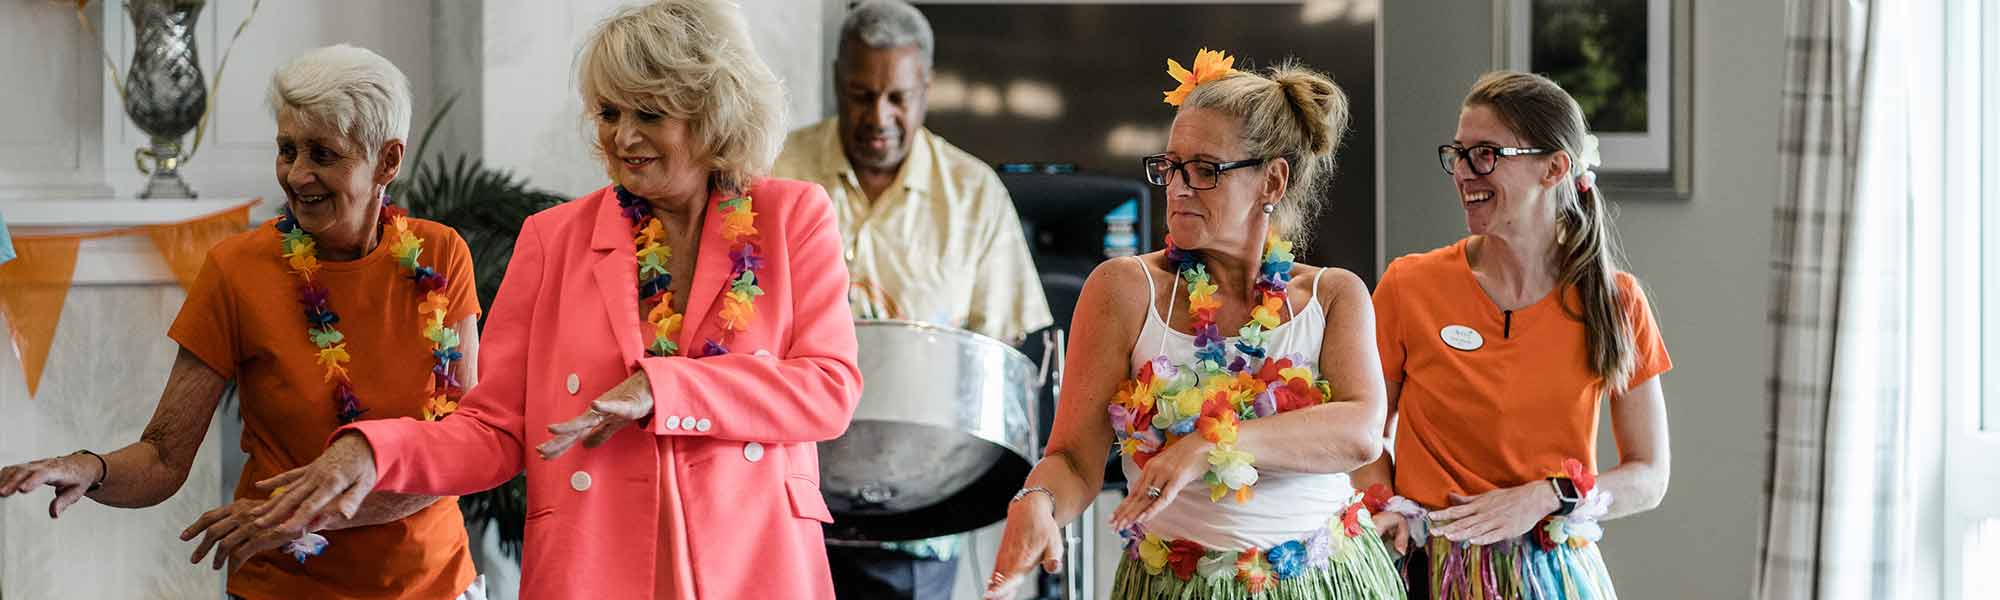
<point>1498,350</point>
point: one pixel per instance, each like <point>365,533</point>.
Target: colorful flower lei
<point>1256,568</point>
<point>444,388</point>
<point>301,254</point>
<point>1209,65</point>
<point>1166,402</point>
<point>738,304</point>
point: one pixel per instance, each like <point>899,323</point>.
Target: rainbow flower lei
<point>739,306</point>
<point>1167,402</point>
<point>301,254</point>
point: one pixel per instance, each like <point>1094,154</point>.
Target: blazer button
<point>579,481</point>
<point>573,384</point>
<point>674,422</point>
<point>702,426</point>
<point>753,452</point>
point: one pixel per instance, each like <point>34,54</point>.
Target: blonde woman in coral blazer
<point>697,476</point>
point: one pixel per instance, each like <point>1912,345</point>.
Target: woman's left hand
<point>1169,472</point>
<point>1497,515</point>
<point>620,406</point>
<point>234,535</point>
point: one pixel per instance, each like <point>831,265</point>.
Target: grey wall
<point>1704,261</point>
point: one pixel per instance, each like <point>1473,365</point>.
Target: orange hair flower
<point>1209,65</point>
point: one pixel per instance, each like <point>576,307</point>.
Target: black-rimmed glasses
<point>1199,174</point>
<point>1482,157</point>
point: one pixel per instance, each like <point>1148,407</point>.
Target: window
<point>1969,519</point>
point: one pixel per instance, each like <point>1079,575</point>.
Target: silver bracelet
<point>1025,491</point>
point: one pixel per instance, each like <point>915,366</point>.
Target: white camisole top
<point>1285,505</point>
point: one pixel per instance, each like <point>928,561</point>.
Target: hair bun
<point>1319,105</point>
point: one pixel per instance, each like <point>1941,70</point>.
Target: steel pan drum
<point>942,437</point>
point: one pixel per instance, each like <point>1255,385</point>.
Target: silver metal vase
<point>165,94</point>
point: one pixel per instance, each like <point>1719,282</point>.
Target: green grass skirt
<point>1364,571</point>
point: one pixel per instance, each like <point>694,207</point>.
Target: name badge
<point>1461,337</point>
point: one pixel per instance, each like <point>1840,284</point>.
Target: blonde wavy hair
<point>690,60</point>
<point>1289,111</point>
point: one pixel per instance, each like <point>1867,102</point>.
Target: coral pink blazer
<point>739,462</point>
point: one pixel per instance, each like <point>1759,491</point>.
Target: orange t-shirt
<point>1507,411</point>
<point>243,319</point>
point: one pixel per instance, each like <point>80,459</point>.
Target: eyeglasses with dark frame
<point>1199,174</point>
<point>1483,158</point>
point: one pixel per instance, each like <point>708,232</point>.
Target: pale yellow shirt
<point>941,245</point>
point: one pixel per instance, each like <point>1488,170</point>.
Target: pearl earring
<point>1270,208</point>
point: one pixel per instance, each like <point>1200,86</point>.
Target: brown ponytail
<point>1586,259</point>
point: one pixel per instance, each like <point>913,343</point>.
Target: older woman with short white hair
<point>340,310</point>
<point>688,323</point>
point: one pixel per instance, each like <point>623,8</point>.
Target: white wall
<point>48,110</point>
<point>1704,261</point>
<point>65,135</point>
<point>533,119</point>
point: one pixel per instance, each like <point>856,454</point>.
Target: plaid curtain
<point>1841,515</point>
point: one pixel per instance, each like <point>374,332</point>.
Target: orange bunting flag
<point>33,287</point>
<point>35,284</point>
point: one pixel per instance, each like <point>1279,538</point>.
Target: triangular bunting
<point>185,245</point>
<point>32,290</point>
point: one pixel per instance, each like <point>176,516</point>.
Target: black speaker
<point>1063,216</point>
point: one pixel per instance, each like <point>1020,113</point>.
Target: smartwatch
<point>1566,494</point>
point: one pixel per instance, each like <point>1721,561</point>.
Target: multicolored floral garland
<point>1256,568</point>
<point>1167,402</point>
<point>739,306</point>
<point>301,254</point>
<point>443,388</point>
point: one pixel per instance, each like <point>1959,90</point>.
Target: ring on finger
<point>1153,491</point>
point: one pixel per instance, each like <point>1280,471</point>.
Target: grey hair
<point>352,89</point>
<point>888,24</point>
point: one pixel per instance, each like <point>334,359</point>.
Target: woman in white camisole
<point>1237,447</point>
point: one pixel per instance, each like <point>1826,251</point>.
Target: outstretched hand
<point>609,414</point>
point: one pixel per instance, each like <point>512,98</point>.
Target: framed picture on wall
<point>1626,62</point>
